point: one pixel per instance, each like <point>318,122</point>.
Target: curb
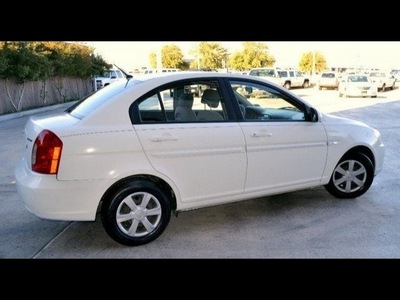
<point>35,111</point>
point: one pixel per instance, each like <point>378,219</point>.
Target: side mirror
<point>311,114</point>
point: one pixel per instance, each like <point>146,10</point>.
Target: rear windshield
<point>328,75</point>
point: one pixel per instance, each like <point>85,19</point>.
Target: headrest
<point>185,100</point>
<point>211,98</point>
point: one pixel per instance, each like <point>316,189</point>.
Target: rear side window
<point>182,102</point>
<point>91,103</point>
<point>254,72</point>
<point>283,73</point>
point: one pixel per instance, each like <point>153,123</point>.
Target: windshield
<point>358,78</point>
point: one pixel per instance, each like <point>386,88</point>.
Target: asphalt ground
<point>309,224</point>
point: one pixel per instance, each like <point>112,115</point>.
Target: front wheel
<point>352,176</point>
<point>136,213</point>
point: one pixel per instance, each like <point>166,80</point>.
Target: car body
<point>382,80</point>
<point>137,151</point>
<point>357,85</point>
<point>328,80</point>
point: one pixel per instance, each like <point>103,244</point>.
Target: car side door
<point>285,151</point>
<point>204,159</point>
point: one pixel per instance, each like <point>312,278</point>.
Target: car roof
<point>191,74</point>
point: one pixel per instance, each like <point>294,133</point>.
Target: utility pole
<point>159,58</point>
<point>313,66</point>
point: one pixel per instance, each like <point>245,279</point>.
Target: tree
<point>38,61</point>
<point>307,59</point>
<point>24,65</point>
<point>172,57</point>
<point>253,55</point>
<point>209,56</point>
<point>153,60</point>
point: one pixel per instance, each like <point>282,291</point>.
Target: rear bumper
<point>49,198</point>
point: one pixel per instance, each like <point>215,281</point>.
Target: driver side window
<point>263,103</point>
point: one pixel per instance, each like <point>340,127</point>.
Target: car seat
<point>212,99</point>
<point>183,110</point>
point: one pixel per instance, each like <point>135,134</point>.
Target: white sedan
<point>383,81</point>
<point>137,151</point>
<point>357,85</point>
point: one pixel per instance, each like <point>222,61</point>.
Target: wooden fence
<point>16,97</point>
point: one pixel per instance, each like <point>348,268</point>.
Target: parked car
<point>139,150</point>
<point>286,78</point>
<point>328,80</point>
<point>293,79</point>
<point>107,78</point>
<point>160,70</point>
<point>382,80</point>
<point>357,85</point>
<point>270,74</point>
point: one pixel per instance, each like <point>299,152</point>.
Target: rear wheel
<point>352,176</point>
<point>136,213</point>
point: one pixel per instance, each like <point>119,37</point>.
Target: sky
<point>368,54</point>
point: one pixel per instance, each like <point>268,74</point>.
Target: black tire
<point>287,85</point>
<point>128,221</point>
<point>352,176</point>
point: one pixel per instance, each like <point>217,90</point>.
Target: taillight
<point>46,153</point>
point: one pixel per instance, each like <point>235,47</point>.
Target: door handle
<point>264,134</point>
<point>163,139</point>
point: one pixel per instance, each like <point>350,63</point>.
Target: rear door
<point>205,160</point>
<point>296,78</point>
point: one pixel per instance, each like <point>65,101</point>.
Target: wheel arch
<point>287,84</point>
<point>364,150</point>
<point>306,83</point>
<point>157,180</point>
